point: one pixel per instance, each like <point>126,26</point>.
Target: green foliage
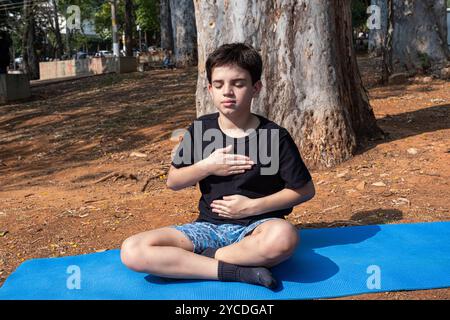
<point>359,14</point>
<point>147,15</point>
<point>102,19</point>
<point>425,62</point>
<point>13,6</point>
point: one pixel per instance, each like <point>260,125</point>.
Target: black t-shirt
<point>274,169</point>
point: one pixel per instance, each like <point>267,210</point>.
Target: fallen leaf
<point>342,174</point>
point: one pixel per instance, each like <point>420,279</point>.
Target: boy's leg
<point>270,243</point>
<point>167,252</point>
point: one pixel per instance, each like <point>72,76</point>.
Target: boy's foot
<point>254,275</point>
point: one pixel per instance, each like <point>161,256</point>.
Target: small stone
<point>445,73</point>
<point>438,100</point>
<point>412,151</point>
<point>379,184</point>
<point>138,154</point>
<point>360,186</point>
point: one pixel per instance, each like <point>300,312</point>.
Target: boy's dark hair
<point>240,54</point>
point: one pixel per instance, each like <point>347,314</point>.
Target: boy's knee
<point>279,241</point>
<point>131,255</point>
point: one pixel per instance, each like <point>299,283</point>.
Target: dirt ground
<point>56,148</point>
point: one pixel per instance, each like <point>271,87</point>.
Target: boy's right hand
<point>221,163</point>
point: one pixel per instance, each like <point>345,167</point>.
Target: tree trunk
<point>312,85</point>
<point>184,32</point>
<point>378,34</point>
<point>29,54</point>
<point>166,26</point>
<point>129,27</point>
<point>419,36</point>
<point>59,41</point>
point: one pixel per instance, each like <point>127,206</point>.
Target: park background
<point>83,160</point>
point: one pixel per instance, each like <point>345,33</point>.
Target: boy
<point>241,230</point>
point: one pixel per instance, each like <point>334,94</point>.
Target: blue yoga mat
<point>328,263</point>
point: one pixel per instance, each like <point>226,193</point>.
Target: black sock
<point>209,252</point>
<point>254,275</point>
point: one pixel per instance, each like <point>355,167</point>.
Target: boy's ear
<point>209,88</point>
<point>257,87</point>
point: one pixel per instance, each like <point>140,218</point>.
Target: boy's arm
<point>286,198</point>
<point>238,206</point>
<point>220,163</point>
<point>178,179</point>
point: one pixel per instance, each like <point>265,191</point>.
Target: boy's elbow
<point>309,191</point>
<point>312,190</point>
<point>171,185</point>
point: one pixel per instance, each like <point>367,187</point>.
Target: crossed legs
<point>167,252</point>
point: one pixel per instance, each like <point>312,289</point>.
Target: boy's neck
<point>237,126</point>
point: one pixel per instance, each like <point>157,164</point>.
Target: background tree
<point>30,56</point>
<point>129,27</point>
<point>418,35</point>
<point>166,25</point>
<point>377,36</point>
<point>178,30</point>
<point>413,38</point>
<point>147,17</point>
<point>312,85</point>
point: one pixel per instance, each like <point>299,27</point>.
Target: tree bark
<point>311,82</point>
<point>419,36</point>
<point>29,54</point>
<point>166,25</point>
<point>184,32</point>
<point>59,41</point>
<point>129,27</point>
<point>377,36</point>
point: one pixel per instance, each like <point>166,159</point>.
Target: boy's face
<point>231,89</point>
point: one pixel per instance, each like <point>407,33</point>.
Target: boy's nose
<point>227,90</point>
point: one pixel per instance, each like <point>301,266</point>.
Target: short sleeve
<point>184,155</point>
<point>292,168</point>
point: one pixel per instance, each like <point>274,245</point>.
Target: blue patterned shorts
<point>206,234</point>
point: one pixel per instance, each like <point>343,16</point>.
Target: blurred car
<point>81,55</point>
<point>18,62</point>
<point>104,54</point>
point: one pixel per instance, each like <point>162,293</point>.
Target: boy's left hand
<point>233,207</point>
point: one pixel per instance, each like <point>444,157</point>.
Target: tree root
<point>117,176</point>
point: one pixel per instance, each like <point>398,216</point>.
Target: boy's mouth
<point>228,103</point>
